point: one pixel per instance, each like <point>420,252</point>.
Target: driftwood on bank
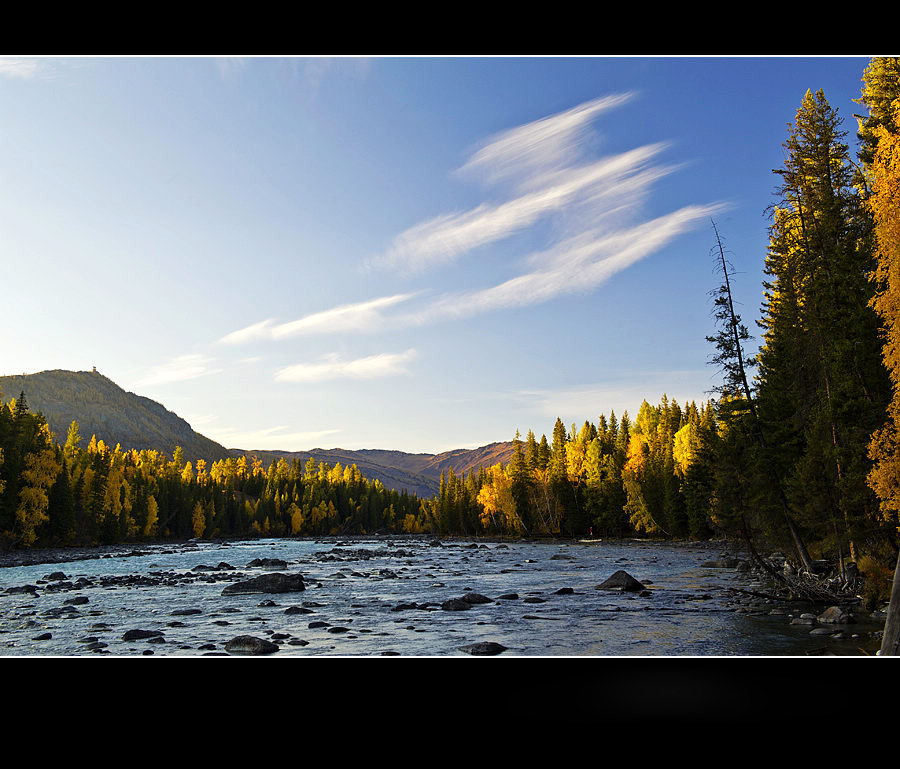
<point>805,585</point>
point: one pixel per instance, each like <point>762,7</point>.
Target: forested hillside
<point>798,451</point>
<point>418,474</point>
<point>104,409</point>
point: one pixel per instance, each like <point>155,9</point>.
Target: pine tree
<point>821,386</point>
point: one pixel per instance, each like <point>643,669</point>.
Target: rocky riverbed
<point>411,597</point>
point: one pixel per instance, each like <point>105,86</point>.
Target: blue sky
<point>394,252</point>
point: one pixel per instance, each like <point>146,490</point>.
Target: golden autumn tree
<point>498,503</point>
<point>880,152</point>
<point>633,476</point>
<point>152,522</point>
<point>884,203</point>
<point>884,448</point>
<point>198,520</point>
<point>39,474</point>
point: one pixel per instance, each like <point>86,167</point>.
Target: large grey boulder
<point>621,580</point>
<point>475,598</point>
<point>267,583</point>
<point>248,644</point>
<point>456,604</point>
<point>483,648</point>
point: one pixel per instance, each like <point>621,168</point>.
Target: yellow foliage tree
<point>685,447</point>
<point>884,203</point>
<point>497,502</point>
<point>198,520</point>
<point>41,469</point>
<point>297,519</point>
<point>152,521</point>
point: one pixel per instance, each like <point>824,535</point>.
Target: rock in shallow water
<point>267,583</point>
<point>456,604</point>
<point>248,644</point>
<point>483,648</point>
<point>621,580</point>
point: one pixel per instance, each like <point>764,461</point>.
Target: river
<point>380,596</point>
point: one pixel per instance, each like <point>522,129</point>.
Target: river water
<point>380,596</point>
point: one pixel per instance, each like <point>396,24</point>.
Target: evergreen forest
<point>797,450</point>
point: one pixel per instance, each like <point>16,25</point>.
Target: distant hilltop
<point>104,409</point>
<point>419,474</point>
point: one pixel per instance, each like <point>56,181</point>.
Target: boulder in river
<point>267,583</point>
<point>836,615</point>
<point>248,644</point>
<point>476,598</point>
<point>456,604</point>
<point>483,648</point>
<point>621,580</point>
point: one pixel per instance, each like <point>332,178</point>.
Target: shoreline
<point>49,555</point>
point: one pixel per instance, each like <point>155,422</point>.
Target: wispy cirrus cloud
<point>22,68</point>
<point>370,367</point>
<point>179,369</point>
<point>358,316</point>
<point>539,167</point>
<point>580,264</point>
<point>445,238</point>
<point>527,153</point>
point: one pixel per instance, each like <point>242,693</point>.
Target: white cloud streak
<point>261,330</point>
<point>19,68</point>
<point>371,367</point>
<point>527,152</point>
<point>349,317</point>
<point>358,316</point>
<point>580,264</point>
<point>597,203</point>
<point>447,237</point>
<point>179,369</point>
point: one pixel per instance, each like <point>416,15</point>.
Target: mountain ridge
<point>103,408</point>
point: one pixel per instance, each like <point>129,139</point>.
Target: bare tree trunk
<point>890,642</point>
<point>733,325</point>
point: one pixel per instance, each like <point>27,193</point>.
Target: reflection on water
<point>381,596</point>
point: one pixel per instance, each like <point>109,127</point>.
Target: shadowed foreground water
<point>380,596</point>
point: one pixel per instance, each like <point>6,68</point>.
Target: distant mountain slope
<point>464,460</point>
<point>104,409</point>
<point>419,474</point>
